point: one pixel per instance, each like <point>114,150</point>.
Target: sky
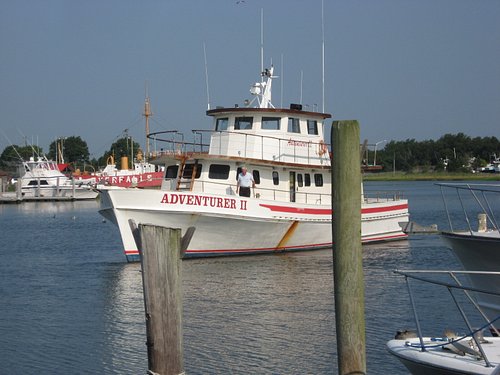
<point>405,69</point>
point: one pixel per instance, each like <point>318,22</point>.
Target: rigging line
<point>165,121</point>
<point>12,145</point>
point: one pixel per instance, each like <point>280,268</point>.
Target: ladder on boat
<point>186,176</point>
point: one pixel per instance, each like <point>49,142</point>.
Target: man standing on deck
<point>245,181</point>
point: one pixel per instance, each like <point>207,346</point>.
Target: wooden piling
<point>160,250</point>
<point>19,189</point>
<point>347,253</point>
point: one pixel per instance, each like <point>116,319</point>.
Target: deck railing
<point>204,186</point>
<point>478,199</point>
<point>453,286</point>
<point>254,146</point>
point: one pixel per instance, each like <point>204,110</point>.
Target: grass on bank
<point>430,176</point>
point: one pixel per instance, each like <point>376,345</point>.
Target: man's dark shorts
<point>244,191</point>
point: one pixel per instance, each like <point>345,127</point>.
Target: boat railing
<point>36,181</point>
<point>383,196</point>
<point>454,286</point>
<point>255,146</point>
<point>59,186</point>
<point>478,199</point>
<point>279,195</point>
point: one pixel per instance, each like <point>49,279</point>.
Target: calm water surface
<point>70,304</point>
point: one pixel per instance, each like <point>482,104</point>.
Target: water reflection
<point>70,303</point>
<point>124,330</point>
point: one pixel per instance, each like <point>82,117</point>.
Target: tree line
<point>74,150</point>
<point>451,152</point>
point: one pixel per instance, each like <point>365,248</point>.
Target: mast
<point>146,114</point>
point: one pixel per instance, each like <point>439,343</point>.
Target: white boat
<point>450,353</point>
<point>41,179</point>
<point>493,167</point>
<point>478,249</point>
<point>290,206</point>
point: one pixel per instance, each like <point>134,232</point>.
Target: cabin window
<point>243,123</point>
<point>218,171</point>
<point>300,180</point>
<point>35,183</point>
<point>270,123</point>
<point>221,124</point>
<point>312,127</point>
<point>171,172</point>
<point>307,179</point>
<point>293,125</point>
<point>256,176</point>
<point>188,171</point>
<point>318,179</point>
<point>276,178</point>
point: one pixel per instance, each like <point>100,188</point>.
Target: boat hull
<point>140,180</point>
<point>439,361</point>
<point>53,192</point>
<point>479,251</point>
<point>233,225</point>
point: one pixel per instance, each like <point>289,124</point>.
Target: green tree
<point>122,147</point>
<point>461,151</point>
<point>13,155</point>
<point>74,149</point>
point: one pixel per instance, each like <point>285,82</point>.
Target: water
<point>69,304</point>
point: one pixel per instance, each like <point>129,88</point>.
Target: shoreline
<point>402,176</point>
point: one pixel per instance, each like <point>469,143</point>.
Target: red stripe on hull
<point>383,209</point>
<point>385,238</point>
<point>326,211</point>
<point>296,210</point>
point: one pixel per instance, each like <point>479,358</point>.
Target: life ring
<point>322,148</point>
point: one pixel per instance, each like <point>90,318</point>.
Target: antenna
<point>301,80</point>
<point>206,75</point>
<point>322,57</point>
<point>282,79</point>
<point>262,41</point>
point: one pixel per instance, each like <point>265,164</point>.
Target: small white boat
<point>437,359</point>
<point>478,249</point>
<point>493,167</point>
<point>449,354</point>
<point>41,179</point>
<point>289,208</point>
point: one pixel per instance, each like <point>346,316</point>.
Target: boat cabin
<point>292,135</point>
<point>282,148</point>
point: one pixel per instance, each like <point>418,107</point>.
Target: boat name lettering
<point>203,200</point>
<point>127,179</point>
<point>292,142</point>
